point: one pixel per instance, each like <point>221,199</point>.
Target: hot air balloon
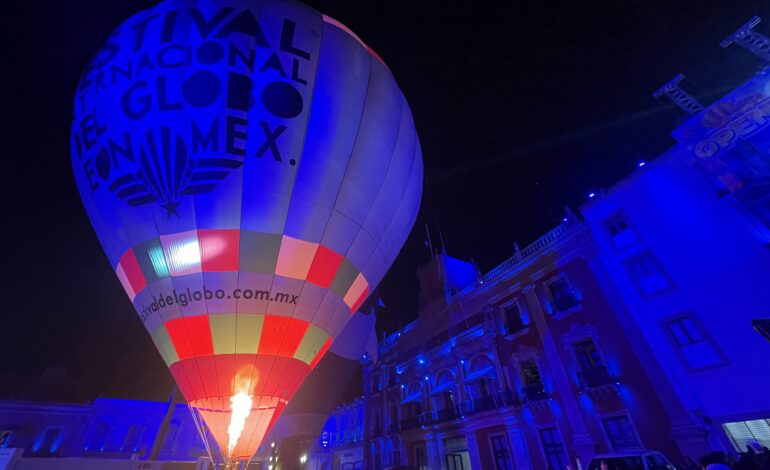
<point>251,169</point>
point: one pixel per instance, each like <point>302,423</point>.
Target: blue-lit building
<point>685,246</point>
<point>628,326</point>
<point>341,443</point>
<point>101,432</point>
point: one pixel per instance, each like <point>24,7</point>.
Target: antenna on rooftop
<point>746,37</point>
<point>678,96</point>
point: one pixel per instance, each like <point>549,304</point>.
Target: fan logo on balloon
<point>189,116</point>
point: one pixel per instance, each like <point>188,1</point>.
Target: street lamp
<point>303,459</point>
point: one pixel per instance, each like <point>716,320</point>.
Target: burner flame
<point>240,403</point>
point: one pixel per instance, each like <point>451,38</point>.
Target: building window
<point>620,232</point>
<point>131,442</point>
<point>5,439</point>
<point>744,434</point>
<point>587,354</point>
<point>648,274</point>
<point>500,452</point>
<point>533,383</point>
<point>562,296</point>
<point>99,438</point>
<point>696,350</point>
<point>513,319</point>
<point>171,433</point>
<point>555,455</point>
<point>620,433</point>
<point>530,372</point>
<point>593,372</point>
<point>49,440</point>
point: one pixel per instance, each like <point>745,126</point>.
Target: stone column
<point>473,450</point>
<point>519,449</point>
<point>582,443</point>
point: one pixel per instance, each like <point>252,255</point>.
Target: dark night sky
<point>521,108</point>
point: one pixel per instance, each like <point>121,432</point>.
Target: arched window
<point>482,377</point>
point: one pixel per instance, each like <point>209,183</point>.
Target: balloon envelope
<point>251,170</point>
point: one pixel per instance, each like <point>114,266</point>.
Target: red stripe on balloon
<point>224,375</point>
<point>281,335</point>
<point>191,336</point>
<point>324,267</point>
<point>133,271</point>
<point>208,374</point>
<point>219,250</point>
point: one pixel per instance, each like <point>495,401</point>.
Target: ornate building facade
<point>525,368</point>
<point>627,327</point>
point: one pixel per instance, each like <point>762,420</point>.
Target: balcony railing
<point>447,414</point>
<point>596,377</point>
<point>534,392</point>
<point>503,399</point>
<point>517,260</point>
<point>491,402</point>
<point>469,335</point>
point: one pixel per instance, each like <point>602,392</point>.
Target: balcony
<point>503,399</point>
<point>534,392</point>
<point>469,336</point>
<point>447,414</point>
<point>596,377</point>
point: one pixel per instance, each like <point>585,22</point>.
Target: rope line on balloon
<point>201,431</point>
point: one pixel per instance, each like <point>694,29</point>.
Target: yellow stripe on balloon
<point>163,342</point>
<point>311,343</point>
